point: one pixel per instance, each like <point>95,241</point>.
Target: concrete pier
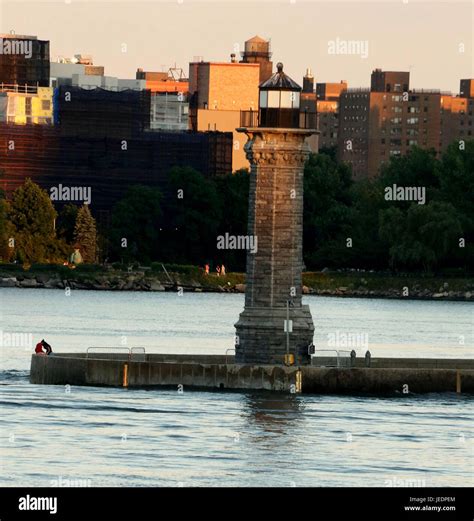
<point>387,376</point>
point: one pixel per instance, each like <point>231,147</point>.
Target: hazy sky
<point>425,37</point>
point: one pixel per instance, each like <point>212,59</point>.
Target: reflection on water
<point>273,413</point>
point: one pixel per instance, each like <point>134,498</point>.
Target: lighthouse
<point>275,327</point>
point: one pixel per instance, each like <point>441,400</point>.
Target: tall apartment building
<point>24,60</point>
<point>308,107</point>
<point>218,92</point>
<point>375,125</point>
<point>257,50</point>
<point>102,113</point>
<point>457,120</point>
<point>327,104</point>
<point>389,81</point>
<point>24,80</point>
<point>169,109</point>
<point>26,105</point>
<point>51,157</point>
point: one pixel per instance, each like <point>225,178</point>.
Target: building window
<point>28,107</point>
<point>45,105</point>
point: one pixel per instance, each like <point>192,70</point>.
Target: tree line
<point>366,224</point>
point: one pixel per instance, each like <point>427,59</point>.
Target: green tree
<point>233,192</point>
<point>33,217</point>
<point>368,250</point>
<point>6,230</point>
<point>66,222</point>
<point>327,212</point>
<point>196,213</point>
<point>421,238</point>
<point>416,168</point>
<point>456,178</point>
<point>136,223</point>
<point>85,234</point>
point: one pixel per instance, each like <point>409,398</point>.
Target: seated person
<point>43,345</point>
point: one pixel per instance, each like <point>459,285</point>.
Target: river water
<point>52,435</point>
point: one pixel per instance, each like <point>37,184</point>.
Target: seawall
<point>385,376</point>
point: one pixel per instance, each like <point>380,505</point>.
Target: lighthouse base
<point>261,338</point>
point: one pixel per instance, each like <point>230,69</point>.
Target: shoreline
<point>326,284</point>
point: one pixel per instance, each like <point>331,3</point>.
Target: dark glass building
<point>102,113</point>
<point>50,157</point>
<point>24,60</point>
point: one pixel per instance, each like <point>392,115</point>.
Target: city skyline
<point>391,36</point>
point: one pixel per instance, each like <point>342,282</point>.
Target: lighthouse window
<point>263,99</point>
<point>274,98</point>
<point>289,99</point>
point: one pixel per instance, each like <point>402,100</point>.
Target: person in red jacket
<point>43,345</point>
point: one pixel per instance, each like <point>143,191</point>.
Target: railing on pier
<point>341,358</point>
<point>135,354</point>
<point>227,355</point>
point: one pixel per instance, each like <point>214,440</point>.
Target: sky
<point>431,39</point>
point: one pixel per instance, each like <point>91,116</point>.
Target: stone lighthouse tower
<point>274,323</point>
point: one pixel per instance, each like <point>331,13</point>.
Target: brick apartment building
<point>387,119</point>
<point>327,102</point>
<point>218,92</point>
